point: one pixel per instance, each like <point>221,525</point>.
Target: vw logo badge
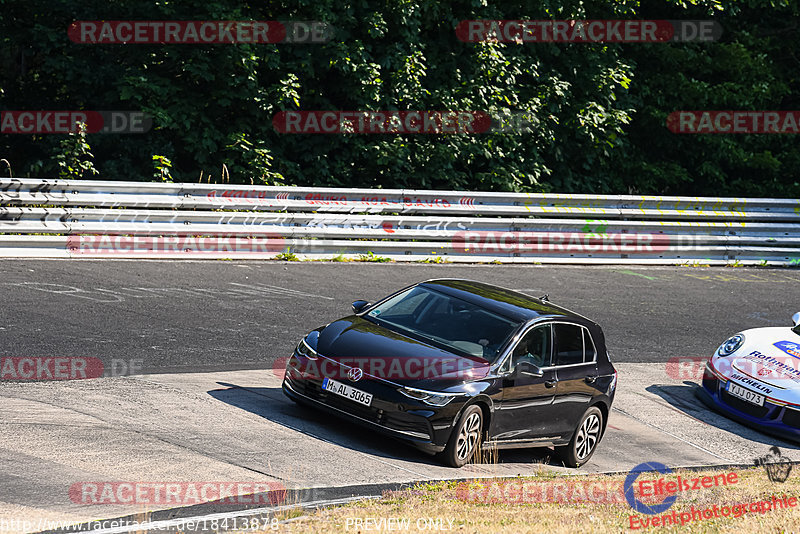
<point>355,374</point>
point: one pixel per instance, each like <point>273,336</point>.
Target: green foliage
<point>74,157</point>
<point>435,259</point>
<point>596,112</point>
<point>162,166</point>
<point>370,257</point>
<point>287,255</point>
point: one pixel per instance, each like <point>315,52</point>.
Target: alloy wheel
<point>587,436</point>
<point>468,437</point>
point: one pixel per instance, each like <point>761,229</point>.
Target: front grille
<point>744,406</point>
<point>791,417</point>
<point>394,421</point>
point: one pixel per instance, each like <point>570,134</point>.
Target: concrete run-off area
<point>236,427</point>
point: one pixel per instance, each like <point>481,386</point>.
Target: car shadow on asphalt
<point>683,399</point>
<point>343,433</point>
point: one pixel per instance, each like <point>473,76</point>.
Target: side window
<point>569,344</point>
<point>590,351</point>
<point>534,347</point>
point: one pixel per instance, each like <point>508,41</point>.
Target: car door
<point>575,363</point>
<point>526,403</point>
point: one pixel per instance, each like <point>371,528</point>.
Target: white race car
<point>754,378</point>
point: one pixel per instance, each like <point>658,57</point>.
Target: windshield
<point>457,325</point>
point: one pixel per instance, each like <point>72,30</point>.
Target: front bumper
<point>773,418</point>
<point>409,425</point>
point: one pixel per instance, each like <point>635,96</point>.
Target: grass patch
<point>443,502</point>
<point>287,255</point>
<point>370,257</point>
<point>435,259</point>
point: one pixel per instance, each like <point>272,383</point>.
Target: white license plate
<point>348,392</point>
<point>746,394</point>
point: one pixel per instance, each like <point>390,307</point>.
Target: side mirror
<point>796,319</point>
<point>360,305</point>
<point>527,369</point>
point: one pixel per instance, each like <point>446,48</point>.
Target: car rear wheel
<point>466,438</point>
<point>584,440</point>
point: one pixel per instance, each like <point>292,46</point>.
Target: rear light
<point>614,381</point>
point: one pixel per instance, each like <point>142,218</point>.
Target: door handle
<point>550,383</point>
<point>590,379</point>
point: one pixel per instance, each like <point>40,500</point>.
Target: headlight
<point>304,349</point>
<point>731,345</point>
<point>434,398</point>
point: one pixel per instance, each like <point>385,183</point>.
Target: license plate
<point>348,392</point>
<point>746,394</point>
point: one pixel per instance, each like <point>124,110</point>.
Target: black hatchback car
<point>452,366</point>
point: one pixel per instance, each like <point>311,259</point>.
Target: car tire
<point>465,441</point>
<point>585,439</point>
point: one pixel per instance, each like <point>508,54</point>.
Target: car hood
<point>769,357</point>
<point>399,358</point>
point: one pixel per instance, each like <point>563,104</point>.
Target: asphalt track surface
<point>204,404</point>
<point>164,316</point>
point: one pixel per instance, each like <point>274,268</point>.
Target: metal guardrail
<point>86,219</point>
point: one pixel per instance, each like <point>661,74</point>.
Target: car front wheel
<point>584,440</point>
<point>466,438</point>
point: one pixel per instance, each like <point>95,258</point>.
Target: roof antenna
<point>545,298</point>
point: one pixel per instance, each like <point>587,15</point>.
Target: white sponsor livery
<point>766,361</point>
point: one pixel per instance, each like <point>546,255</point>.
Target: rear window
<point>574,345</point>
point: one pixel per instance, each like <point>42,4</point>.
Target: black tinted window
<point>569,344</point>
<point>449,321</point>
<point>534,347</point>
